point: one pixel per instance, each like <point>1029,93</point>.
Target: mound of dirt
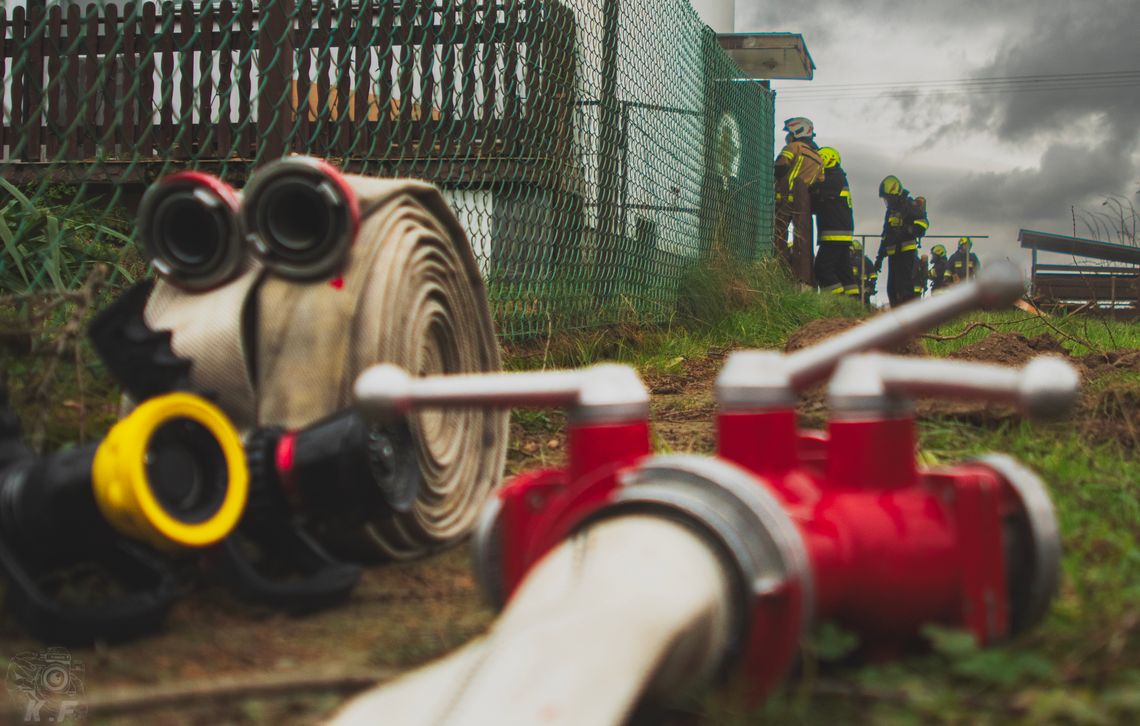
<point>824,328</point>
<point>1109,411</point>
<point>1113,412</point>
<point>1115,361</point>
<point>1012,349</point>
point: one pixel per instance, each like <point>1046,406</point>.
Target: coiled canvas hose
<point>286,353</point>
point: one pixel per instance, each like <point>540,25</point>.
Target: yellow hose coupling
<point>172,474</point>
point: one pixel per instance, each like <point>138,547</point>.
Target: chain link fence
<point>596,151</point>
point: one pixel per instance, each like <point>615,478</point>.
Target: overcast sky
<point>988,163</point>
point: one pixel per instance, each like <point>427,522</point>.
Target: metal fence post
<point>609,157</point>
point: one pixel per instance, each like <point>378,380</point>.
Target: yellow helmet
<point>965,242</point>
<point>890,186</point>
<point>938,250</point>
<point>829,157</point>
<point>857,246</point>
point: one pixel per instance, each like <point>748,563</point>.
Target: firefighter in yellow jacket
<point>797,168</point>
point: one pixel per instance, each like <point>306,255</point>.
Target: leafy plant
<point>53,246</point>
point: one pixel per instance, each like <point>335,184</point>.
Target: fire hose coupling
<point>602,393</point>
<point>1047,387</point>
<point>188,225</point>
<point>172,474</point>
<point>752,380</point>
<point>342,465</point>
<point>757,540</point>
<point>301,217</point>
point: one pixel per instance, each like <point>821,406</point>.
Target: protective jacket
<point>904,224</point>
<point>964,265</point>
<point>831,202</point>
<point>939,272</point>
<point>797,167</point>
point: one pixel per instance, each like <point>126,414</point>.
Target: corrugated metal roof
<point>1108,251</point>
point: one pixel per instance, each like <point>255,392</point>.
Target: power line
<point>977,80</point>
<point>1012,84</point>
<point>807,98</point>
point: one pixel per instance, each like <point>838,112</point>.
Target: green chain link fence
<point>596,151</point>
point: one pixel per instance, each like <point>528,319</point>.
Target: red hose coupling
<point>301,216</point>
<point>762,549</point>
<point>189,229</point>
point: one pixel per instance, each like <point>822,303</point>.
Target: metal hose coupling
<point>301,217</point>
<point>172,474</point>
<point>189,229</point>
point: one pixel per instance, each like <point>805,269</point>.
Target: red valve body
<point>890,548</point>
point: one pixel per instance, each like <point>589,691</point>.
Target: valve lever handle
<point>760,379</point>
<point>997,287</point>
<point>605,391</point>
<point>1046,387</point>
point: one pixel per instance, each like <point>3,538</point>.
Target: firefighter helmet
<point>829,156</point>
<point>965,242</point>
<point>890,186</point>
<point>938,250</point>
<point>800,128</point>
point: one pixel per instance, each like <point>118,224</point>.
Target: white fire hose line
<point>411,295</point>
<point>636,604</point>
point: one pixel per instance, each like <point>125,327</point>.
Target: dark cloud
<point>833,19</point>
<point>1088,136</point>
<point>1074,38</point>
<point>1069,174</point>
<point>1090,132</point>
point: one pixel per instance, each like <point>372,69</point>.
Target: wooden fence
<point>483,88</point>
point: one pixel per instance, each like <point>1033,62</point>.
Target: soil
<point>405,614</point>
<point>1109,409</point>
<point>818,330</point>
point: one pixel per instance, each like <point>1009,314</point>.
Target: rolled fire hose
<point>654,591</point>
<point>283,352</point>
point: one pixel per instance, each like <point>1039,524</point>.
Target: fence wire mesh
<point>596,151</point>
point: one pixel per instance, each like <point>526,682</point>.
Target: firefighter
<point>864,271</point>
<point>939,268</point>
<point>904,224</point>
<point>797,168</point>
<point>835,221</point>
<point>964,264</point>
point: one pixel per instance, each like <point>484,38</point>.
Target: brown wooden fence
<point>482,88</point>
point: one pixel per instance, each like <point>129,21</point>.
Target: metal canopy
<point>769,55</point>
<point>1111,252</point>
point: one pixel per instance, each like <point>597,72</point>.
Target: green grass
<point>1081,334</point>
<point>720,307</point>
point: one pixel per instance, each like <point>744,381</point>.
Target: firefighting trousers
<point>833,272</point>
<point>797,255</point>
<point>900,281</point>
